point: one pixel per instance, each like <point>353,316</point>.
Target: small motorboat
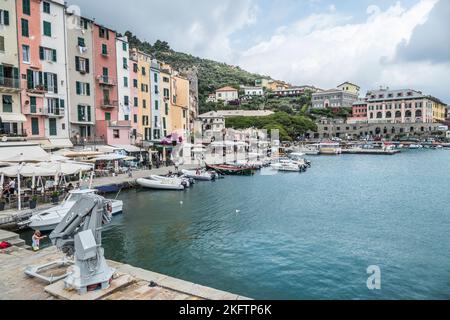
<point>199,175</point>
<point>48,219</point>
<point>183,181</point>
<point>161,184</point>
<point>232,169</point>
<point>415,146</point>
<point>290,167</point>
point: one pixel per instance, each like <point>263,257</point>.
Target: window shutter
<point>80,113</point>
<point>41,53</point>
<point>78,87</point>
<point>55,81</point>
<point>87,65</point>
<point>62,104</point>
<point>41,81</point>
<point>33,104</point>
<point>88,108</point>
<point>2,80</point>
<point>30,79</point>
<point>6,17</point>
<point>55,58</point>
<point>88,89</point>
<point>16,73</point>
<point>45,81</point>
<point>77,63</point>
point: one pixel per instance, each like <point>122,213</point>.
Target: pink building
<point>107,126</point>
<point>32,84</point>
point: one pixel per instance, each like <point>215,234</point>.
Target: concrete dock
<point>130,283</point>
<point>370,152</point>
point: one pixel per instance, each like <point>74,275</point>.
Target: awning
<point>13,117</point>
<point>61,143</point>
<point>128,148</point>
<point>105,149</point>
<point>23,154</point>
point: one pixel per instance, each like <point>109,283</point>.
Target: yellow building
<point>143,96</point>
<point>349,87</point>
<point>179,115</point>
<point>166,92</point>
<point>275,85</point>
<point>439,109</point>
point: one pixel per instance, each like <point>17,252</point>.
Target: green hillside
<point>212,74</point>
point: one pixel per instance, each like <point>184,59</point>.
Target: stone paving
<point>15,285</point>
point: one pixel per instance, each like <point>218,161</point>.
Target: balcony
<point>37,89</point>
<point>54,112</point>
<point>33,111</point>
<point>119,124</point>
<point>107,103</point>
<point>106,81</point>
<point>9,85</point>
<point>18,133</point>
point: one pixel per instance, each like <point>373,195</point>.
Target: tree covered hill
<point>212,74</point>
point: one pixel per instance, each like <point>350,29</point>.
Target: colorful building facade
<point>80,58</point>
<point>11,118</point>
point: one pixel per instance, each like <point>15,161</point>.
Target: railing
<point>39,89</point>
<point>27,110</point>
<point>18,133</point>
<point>122,123</point>
<point>54,112</point>
<point>10,83</point>
<point>87,141</point>
<point>106,80</point>
<point>107,103</point>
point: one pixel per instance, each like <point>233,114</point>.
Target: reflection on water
<point>300,236</point>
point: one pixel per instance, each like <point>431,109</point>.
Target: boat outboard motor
<point>80,235</point>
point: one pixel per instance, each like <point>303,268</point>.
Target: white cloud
<point>200,27</point>
<point>327,49</point>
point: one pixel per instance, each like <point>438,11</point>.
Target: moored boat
<point>231,170</point>
<point>160,184</point>
<point>199,175</point>
<point>48,219</point>
<point>330,148</point>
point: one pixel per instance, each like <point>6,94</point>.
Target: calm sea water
<point>301,236</point>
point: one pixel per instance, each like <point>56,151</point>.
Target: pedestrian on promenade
<point>130,173</point>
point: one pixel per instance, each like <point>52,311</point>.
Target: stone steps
<point>12,238</point>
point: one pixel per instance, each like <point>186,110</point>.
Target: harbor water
<point>301,236</point>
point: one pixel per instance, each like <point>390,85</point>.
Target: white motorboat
<point>415,146</point>
<point>199,175</point>
<point>311,150</point>
<point>161,184</point>
<point>47,220</point>
<point>286,166</point>
<point>330,148</point>
<point>183,181</point>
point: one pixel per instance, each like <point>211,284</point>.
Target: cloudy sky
<point>400,44</point>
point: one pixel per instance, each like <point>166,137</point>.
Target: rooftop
<point>236,113</point>
<point>227,89</point>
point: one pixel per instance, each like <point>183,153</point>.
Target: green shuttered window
<point>34,126</point>
<point>47,29</point>
<point>25,30</point>
<point>26,7</point>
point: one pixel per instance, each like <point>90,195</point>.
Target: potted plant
<point>55,197</point>
<point>33,202</point>
<point>2,203</point>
